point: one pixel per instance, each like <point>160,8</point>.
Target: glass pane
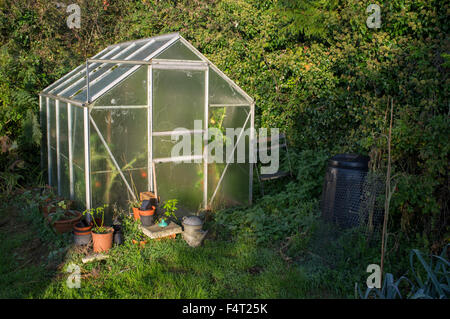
<point>65,179</point>
<point>81,74</point>
<point>137,179</point>
<point>63,131</point>
<point>43,125</point>
<point>163,145</point>
<point>148,51</point>
<point>109,188</point>
<point>181,181</point>
<point>125,132</point>
<point>78,156</point>
<point>78,73</point>
<point>79,187</point>
<point>221,92</point>
<point>100,160</point>
<point>234,188</point>
<point>78,136</point>
<point>53,162</point>
<point>131,91</point>
<point>107,185</point>
<point>60,81</point>
<point>113,73</point>
<point>54,168</point>
<point>178,99</point>
<point>178,51</point>
<point>64,150</point>
<point>78,83</point>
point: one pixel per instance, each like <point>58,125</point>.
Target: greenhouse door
<point>179,106</point>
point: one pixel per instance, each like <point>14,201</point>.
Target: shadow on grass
<point>30,251</point>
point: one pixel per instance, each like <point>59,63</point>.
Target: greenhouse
<point>107,127</point>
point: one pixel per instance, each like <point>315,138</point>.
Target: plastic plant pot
<point>82,234</point>
<point>118,235</point>
<point>136,213</point>
<point>146,216</point>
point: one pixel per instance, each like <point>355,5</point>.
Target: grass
<point>171,269</point>
<point>22,268</point>
<point>162,269</point>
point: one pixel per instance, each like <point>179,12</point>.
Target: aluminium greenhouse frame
<point>119,55</point>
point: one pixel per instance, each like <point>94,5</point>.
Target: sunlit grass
<point>171,269</point>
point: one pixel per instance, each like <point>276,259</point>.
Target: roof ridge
<point>156,37</point>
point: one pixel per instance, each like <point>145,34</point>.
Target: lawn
<point>34,261</point>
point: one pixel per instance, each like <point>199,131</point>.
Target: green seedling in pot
<point>98,212</point>
<point>170,208</point>
<point>62,212</point>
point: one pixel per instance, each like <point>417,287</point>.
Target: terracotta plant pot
<point>136,213</point>
<point>50,204</point>
<point>46,202</point>
<point>47,209</point>
<point>146,216</point>
<point>64,226</point>
<point>103,242</point>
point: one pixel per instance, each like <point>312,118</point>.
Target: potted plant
<point>135,208</point>
<point>170,207</point>
<point>146,216</point>
<point>49,202</point>
<point>62,218</point>
<point>45,198</point>
<point>102,236</point>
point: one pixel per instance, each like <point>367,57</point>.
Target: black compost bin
<point>342,189</point>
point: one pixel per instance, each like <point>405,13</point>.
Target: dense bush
<point>314,68</point>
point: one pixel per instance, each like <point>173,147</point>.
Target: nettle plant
<point>96,213</point>
<point>132,228</point>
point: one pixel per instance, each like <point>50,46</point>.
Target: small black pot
<point>118,235</point>
<point>147,220</point>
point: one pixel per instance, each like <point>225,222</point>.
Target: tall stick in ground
<point>388,196</point>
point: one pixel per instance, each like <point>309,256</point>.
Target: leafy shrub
<point>289,210</point>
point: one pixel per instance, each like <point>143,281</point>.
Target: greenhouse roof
<point>109,67</point>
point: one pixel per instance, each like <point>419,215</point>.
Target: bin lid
<point>192,221</point>
<point>350,161</point>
